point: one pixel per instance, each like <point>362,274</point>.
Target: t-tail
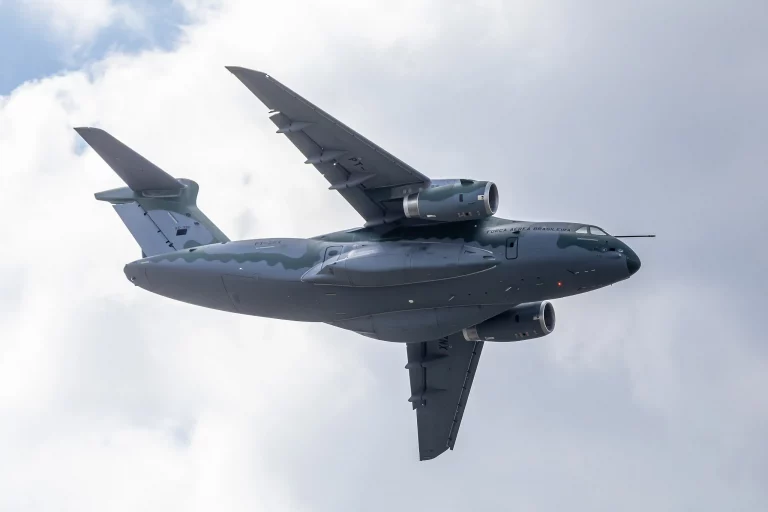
<point>159,210</point>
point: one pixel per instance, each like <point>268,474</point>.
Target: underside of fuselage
<point>406,284</point>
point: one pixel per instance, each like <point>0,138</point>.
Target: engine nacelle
<point>526,321</point>
<point>457,200</point>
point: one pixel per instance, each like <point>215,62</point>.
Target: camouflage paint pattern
<point>269,277</point>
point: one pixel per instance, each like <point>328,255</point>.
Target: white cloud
<point>80,21</point>
<point>112,398</point>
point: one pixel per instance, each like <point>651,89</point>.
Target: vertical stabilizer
<point>160,211</point>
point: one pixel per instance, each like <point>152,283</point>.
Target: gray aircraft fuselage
<point>383,282</point>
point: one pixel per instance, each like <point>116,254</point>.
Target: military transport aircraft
<point>431,267</point>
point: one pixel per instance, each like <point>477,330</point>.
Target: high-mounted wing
<point>441,374</point>
<point>370,179</point>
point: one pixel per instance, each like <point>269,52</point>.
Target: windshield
<point>597,231</point>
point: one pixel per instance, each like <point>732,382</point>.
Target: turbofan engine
<point>526,321</point>
<point>453,200</point>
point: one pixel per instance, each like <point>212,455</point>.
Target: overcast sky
<point>635,116</point>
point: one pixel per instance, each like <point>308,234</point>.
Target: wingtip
<point>240,71</point>
<point>85,130</point>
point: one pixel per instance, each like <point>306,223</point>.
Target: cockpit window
<point>597,231</point>
<point>582,230</point>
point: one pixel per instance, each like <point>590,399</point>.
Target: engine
<point>526,321</point>
<point>453,200</point>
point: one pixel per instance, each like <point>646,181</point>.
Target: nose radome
<point>633,264</point>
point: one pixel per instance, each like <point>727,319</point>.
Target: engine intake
<point>526,321</point>
<point>459,200</point>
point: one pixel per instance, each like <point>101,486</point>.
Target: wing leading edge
<point>369,178</point>
<point>441,374</point>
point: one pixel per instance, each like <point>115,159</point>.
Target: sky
<point>634,116</point>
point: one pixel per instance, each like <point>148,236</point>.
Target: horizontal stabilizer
<point>136,171</point>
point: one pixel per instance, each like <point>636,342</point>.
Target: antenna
<point>634,236</point>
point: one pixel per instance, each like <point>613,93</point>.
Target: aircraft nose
<point>633,263</point>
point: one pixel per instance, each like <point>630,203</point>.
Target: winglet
<point>136,171</point>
